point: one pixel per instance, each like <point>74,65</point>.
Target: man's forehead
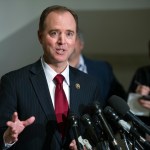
<point>63,20</point>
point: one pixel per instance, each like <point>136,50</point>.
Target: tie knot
<point>59,79</point>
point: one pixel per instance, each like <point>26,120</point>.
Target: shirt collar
<point>81,66</point>
<point>50,73</point>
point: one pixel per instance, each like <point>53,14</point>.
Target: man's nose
<point>62,39</point>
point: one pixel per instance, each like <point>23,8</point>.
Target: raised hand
<point>15,127</point>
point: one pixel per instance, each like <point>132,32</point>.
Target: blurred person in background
<point>101,70</point>
<point>140,84</point>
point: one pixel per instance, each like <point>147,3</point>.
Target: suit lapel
<point>39,83</point>
<point>75,94</point>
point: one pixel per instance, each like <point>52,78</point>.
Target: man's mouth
<point>60,51</point>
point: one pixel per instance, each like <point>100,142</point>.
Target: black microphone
<point>86,120</point>
<point>121,107</point>
<point>98,112</point>
<point>124,125</point>
<point>92,135</point>
<point>74,124</point>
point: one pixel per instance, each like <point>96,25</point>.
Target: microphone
<point>121,107</point>
<point>90,128</point>
<point>124,125</point>
<point>86,120</point>
<point>97,110</point>
<point>73,121</point>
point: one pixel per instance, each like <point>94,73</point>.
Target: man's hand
<point>15,127</point>
<point>73,146</point>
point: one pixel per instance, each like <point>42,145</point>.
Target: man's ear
<point>40,36</point>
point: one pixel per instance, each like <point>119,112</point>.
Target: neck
<point>57,67</point>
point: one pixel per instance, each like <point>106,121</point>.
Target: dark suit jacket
<point>26,91</point>
<point>109,84</point>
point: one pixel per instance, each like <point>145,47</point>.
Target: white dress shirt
<point>50,74</point>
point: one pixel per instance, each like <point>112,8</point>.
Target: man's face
<point>58,37</point>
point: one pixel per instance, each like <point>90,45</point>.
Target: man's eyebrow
<point>57,30</point>
<point>53,30</point>
<point>70,31</point>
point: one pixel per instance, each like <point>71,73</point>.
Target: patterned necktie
<point>61,104</point>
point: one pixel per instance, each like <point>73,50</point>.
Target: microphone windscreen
<point>119,105</point>
<point>95,107</point>
<point>111,114</point>
<point>107,110</point>
<point>72,119</point>
<point>86,120</point>
<point>96,104</point>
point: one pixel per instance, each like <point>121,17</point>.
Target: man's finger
<point>14,117</point>
<point>72,145</point>
<point>28,121</point>
<point>9,123</point>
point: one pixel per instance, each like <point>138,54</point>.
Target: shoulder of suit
<point>76,71</point>
<point>21,70</point>
<point>97,62</point>
<point>81,74</point>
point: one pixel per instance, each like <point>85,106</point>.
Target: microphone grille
<point>73,118</point>
<point>119,105</point>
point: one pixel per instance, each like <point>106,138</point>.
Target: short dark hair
<point>56,8</point>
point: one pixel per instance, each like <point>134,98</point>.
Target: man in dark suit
<point>101,70</point>
<point>27,101</point>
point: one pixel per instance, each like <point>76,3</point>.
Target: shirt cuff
<point>6,145</point>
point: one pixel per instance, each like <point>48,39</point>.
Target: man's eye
<point>54,33</point>
<point>70,34</point>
